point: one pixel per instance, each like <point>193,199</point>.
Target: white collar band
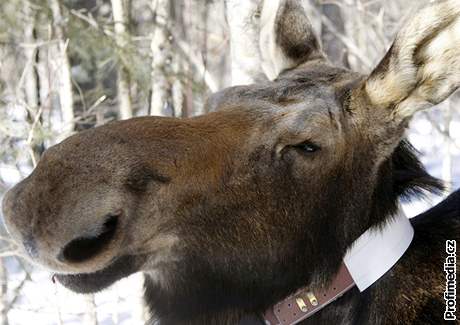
<point>375,252</point>
<point>368,258</point>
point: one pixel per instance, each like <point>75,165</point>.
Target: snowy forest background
<point>69,65</point>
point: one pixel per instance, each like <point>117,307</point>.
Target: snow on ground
<point>44,303</point>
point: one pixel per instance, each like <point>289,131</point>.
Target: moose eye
<point>306,147</point>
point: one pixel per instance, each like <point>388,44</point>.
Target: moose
<point>233,212</point>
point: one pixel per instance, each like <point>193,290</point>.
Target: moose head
<point>228,212</point>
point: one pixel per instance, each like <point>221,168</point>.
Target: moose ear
<point>422,67</point>
<point>286,37</point>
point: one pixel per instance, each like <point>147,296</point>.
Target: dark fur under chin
<point>200,291</point>
<point>97,281</point>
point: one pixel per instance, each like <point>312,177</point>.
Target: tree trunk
<point>123,81</point>
<point>334,48</point>
<point>3,293</point>
<point>31,84</point>
<point>243,21</point>
<point>64,72</point>
<point>161,60</point>
<point>177,88</point>
<point>31,79</point>
<point>90,317</point>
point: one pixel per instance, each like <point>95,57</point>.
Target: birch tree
<point>64,78</point>
<point>161,59</point>
<point>90,317</point>
<point>30,52</point>
<point>123,82</point>
<point>243,18</point>
<point>3,294</point>
<point>31,83</point>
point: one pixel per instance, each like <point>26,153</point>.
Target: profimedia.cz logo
<point>450,268</point>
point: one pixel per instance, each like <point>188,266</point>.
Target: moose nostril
<point>84,248</point>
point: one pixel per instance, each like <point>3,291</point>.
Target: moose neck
<point>221,279</point>
<point>273,293</point>
<point>371,256</point>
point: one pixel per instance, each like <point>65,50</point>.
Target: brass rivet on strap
<point>303,307</point>
<point>312,298</point>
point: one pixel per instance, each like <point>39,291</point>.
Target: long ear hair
<point>401,176</point>
<point>410,178</point>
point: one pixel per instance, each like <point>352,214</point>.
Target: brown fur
<point>230,212</point>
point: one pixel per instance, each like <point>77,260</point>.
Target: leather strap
<point>305,302</point>
<point>369,257</point>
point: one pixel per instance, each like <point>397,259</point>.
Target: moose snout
<point>83,247</point>
<point>9,205</point>
<point>13,224</point>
